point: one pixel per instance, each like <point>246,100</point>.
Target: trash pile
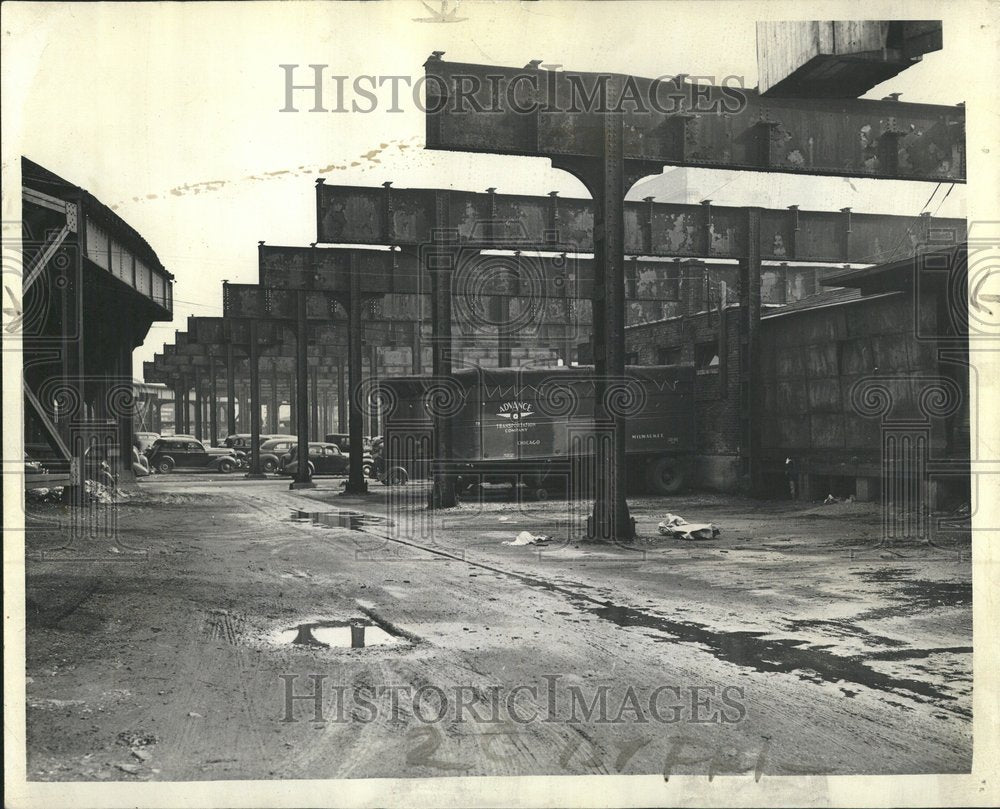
<point>102,493</point>
<point>44,495</point>
<point>527,538</point>
<point>676,526</point>
<point>830,499</point>
<point>94,492</point>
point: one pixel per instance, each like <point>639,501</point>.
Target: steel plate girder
<point>328,269</point>
<point>387,215</point>
<point>526,111</point>
<point>263,304</point>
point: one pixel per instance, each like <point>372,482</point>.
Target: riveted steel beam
<point>354,215</point>
<point>525,111</point>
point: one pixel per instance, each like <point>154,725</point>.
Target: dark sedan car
<point>168,454</point>
<point>324,459</point>
<point>272,450</point>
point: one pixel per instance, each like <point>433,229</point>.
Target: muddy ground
<point>160,645</point>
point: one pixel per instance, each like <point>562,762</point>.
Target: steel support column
<point>255,472</point>
<point>185,408</point>
<point>198,407</point>
<point>416,345</point>
<point>314,403</point>
<point>356,483</point>
<point>341,395</point>
<point>230,390</point>
<point>125,414</point>
<point>303,478</point>
<point>502,304</point>
<point>607,183</point>
<point>213,399</point>
<point>750,307</point>
<point>373,425</point>
<point>274,404</point>
<point>440,260</point>
<point>72,350</point>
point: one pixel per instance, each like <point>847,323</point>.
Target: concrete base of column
<point>255,476</point>
<point>302,484</point>
<point>362,489</point>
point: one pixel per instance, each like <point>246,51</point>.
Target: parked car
<point>144,441</point>
<point>175,452</point>
<point>272,450</point>
<point>343,442</point>
<point>324,459</point>
<point>241,441</point>
<point>140,463</point>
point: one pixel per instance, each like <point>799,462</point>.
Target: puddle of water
<point>886,574</point>
<point>354,520</point>
<point>786,655</point>
<point>338,635</point>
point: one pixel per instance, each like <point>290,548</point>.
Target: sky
<point>169,112</point>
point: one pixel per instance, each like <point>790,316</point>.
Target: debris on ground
<point>831,499</point>
<point>137,738</point>
<point>674,525</point>
<point>527,538</point>
<point>102,492</point>
<point>44,495</point>
<point>94,492</point>
<point>132,769</point>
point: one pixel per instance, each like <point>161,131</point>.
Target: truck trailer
<point>535,426</point>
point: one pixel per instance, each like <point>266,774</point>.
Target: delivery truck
<point>536,426</point>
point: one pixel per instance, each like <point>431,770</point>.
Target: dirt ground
<point>159,640</point>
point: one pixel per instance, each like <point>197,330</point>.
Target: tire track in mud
<point>194,745</point>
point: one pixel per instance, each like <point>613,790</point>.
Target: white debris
<point>527,538</point>
<point>674,525</point>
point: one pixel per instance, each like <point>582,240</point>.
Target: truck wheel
<point>666,476</point>
<point>269,465</point>
<point>541,493</point>
<point>165,465</point>
<point>368,469</point>
<point>397,476</point>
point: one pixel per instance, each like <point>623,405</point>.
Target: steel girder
<point>403,216</point>
<point>536,112</point>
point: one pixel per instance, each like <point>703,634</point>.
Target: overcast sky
<point>170,112</point>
